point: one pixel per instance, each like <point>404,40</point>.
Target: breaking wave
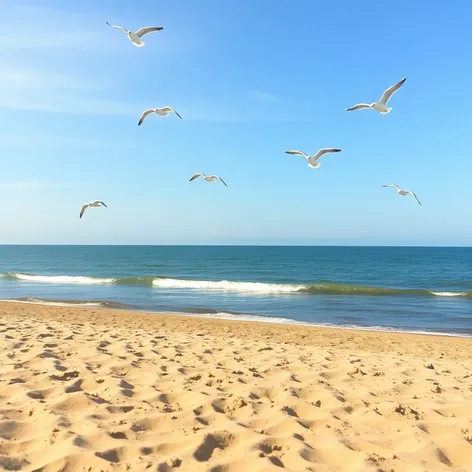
<point>234,286</point>
<point>57,279</point>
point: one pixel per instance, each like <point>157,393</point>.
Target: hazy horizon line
<point>244,245</point>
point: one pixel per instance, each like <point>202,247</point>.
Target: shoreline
<point>238,317</point>
<point>294,333</point>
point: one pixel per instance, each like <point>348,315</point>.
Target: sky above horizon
<point>251,80</point>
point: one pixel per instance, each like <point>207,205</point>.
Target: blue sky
<point>251,79</point>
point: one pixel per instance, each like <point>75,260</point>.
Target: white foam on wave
<point>36,301</point>
<point>62,279</point>
<point>245,317</point>
<point>228,286</point>
<point>449,294</point>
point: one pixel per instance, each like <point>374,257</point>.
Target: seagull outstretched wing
<point>195,176</point>
<point>117,27</point>
<point>390,91</point>
<point>171,110</point>
<point>360,106</point>
<point>297,153</point>
<point>219,178</point>
<point>416,198</point>
<point>148,29</point>
<point>321,152</point>
<point>144,115</point>
<point>84,207</point>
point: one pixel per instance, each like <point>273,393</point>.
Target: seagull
<point>163,111</point>
<point>313,160</point>
<point>96,203</point>
<point>207,178</point>
<point>402,192</point>
<point>381,105</point>
<point>135,37</point>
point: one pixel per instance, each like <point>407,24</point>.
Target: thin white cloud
<point>264,96</point>
<point>30,185</point>
<point>18,77</point>
<point>33,89</point>
<point>61,103</point>
<point>15,141</point>
<point>84,39</point>
<point>36,27</point>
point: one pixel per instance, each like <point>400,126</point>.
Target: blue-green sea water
<point>399,288</point>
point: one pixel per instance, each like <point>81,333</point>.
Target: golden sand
<point>106,390</point>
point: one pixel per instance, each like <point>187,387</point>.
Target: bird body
<point>96,203</point>
<point>313,160</point>
<point>381,105</point>
<point>207,178</point>
<point>135,37</point>
<point>163,111</point>
<point>381,108</point>
<point>403,193</point>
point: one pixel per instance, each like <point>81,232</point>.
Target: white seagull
<point>381,105</point>
<point>207,178</point>
<point>313,160</point>
<point>402,192</point>
<point>163,111</point>
<point>96,203</point>
<point>135,37</point>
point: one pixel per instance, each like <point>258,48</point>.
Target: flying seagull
<point>96,203</point>
<point>402,192</point>
<point>381,105</point>
<point>135,37</point>
<point>207,178</point>
<point>313,160</point>
<point>163,111</point>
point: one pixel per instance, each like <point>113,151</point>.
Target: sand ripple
<point>103,391</point>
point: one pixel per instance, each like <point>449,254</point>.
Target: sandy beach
<point>105,390</point>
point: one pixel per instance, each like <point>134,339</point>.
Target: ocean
<point>413,289</point>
